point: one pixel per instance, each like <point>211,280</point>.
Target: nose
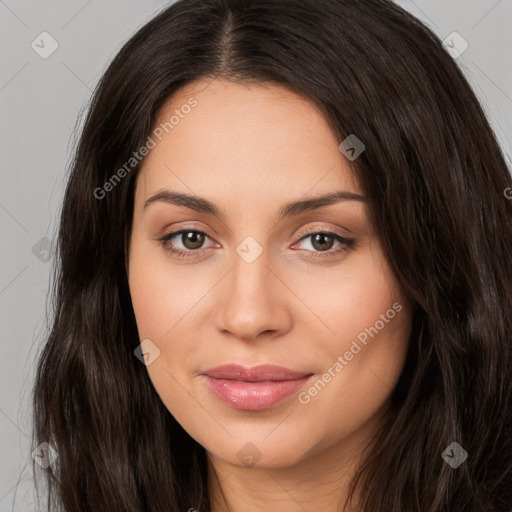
<point>253,301</point>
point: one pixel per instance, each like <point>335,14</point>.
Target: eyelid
<point>323,229</point>
<point>185,228</point>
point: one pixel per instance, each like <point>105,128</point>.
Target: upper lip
<point>264,372</point>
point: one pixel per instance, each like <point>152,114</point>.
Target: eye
<point>190,239</point>
<point>323,241</point>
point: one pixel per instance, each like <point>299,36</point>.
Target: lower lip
<point>253,396</point>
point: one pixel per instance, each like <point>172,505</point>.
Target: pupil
<point>192,239</point>
<point>321,237</point>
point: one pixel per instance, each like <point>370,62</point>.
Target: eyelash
<point>346,243</point>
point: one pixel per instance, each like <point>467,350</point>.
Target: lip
<point>253,388</point>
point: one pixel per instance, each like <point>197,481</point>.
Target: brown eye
<point>185,242</point>
<point>325,244</point>
<point>322,241</point>
<point>192,239</point>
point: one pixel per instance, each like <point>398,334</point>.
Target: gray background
<point>40,100</point>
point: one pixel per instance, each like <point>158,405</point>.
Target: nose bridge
<point>252,303</point>
<point>250,275</point>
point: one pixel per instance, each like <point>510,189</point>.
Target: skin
<point>250,149</point>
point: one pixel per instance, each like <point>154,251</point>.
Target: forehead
<point>225,137</point>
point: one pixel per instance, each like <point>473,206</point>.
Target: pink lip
<point>254,388</point>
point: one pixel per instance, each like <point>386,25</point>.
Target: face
<point>234,275</point>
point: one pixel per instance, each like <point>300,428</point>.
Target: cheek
<point>370,324</point>
<point>165,304</point>
<point>353,299</point>
<point>162,294</point>
<point>159,303</point>
<point>359,376</point>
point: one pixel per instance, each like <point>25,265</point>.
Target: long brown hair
<point>435,178</point>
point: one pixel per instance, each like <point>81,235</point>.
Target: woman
<point>284,280</point>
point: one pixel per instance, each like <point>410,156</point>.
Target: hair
<point>434,177</point>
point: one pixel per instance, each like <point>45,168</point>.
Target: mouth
<point>253,388</point>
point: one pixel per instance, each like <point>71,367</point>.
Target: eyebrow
<point>200,204</point>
